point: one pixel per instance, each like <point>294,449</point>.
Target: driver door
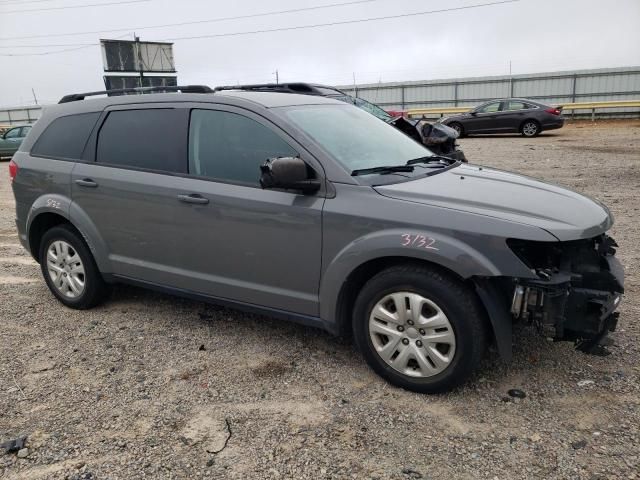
<point>484,119</point>
<point>10,141</point>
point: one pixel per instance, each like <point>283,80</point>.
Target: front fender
<point>436,248</point>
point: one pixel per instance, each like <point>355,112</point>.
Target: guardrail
<point>593,106</point>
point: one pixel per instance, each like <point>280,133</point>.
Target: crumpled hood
<point>485,191</point>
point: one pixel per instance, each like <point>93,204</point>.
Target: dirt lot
<point>126,390</point>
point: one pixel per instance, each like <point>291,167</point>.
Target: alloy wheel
<point>530,129</point>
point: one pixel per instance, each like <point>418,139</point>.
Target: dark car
<point>507,115</point>
<point>439,138</point>
<point>309,209</point>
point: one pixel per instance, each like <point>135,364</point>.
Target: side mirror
<point>473,113</point>
<point>288,173</point>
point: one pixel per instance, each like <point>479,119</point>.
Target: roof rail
<point>291,87</point>
<point>74,97</point>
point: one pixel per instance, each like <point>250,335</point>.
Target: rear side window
<point>65,137</point>
<point>231,147</point>
<point>150,139</point>
<point>518,106</point>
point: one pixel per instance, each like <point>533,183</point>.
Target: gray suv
<point>311,210</point>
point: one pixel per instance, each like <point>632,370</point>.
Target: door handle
<point>193,198</point>
<point>86,182</point>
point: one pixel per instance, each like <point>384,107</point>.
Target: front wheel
<point>419,328</point>
<point>70,270</point>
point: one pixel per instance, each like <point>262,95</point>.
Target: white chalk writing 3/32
<point>53,203</point>
<point>418,241</point>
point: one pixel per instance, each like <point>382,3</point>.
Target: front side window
<point>231,147</point>
<point>146,139</point>
<point>490,108</point>
<point>355,138</point>
<point>13,133</point>
<point>66,136</point>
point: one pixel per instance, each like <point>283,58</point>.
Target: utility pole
<point>139,55</point>
<point>35,99</point>
<point>510,81</point>
<point>277,77</point>
<point>355,86</point>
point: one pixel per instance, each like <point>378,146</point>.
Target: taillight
<point>553,111</point>
<point>13,169</point>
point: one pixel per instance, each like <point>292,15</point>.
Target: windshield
<point>355,138</point>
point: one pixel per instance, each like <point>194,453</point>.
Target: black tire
<point>95,289</point>
<point>457,127</point>
<point>457,301</point>
<point>530,128</point>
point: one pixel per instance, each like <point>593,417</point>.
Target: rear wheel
<point>530,128</point>
<point>419,328</point>
<point>69,268</point>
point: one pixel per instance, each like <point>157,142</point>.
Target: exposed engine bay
<point>578,289</point>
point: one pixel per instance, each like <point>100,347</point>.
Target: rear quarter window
<point>65,137</point>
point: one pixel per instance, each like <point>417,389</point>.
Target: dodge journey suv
<point>312,210</point>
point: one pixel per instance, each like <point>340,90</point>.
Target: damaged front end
<point>438,138</point>
<point>578,289</point>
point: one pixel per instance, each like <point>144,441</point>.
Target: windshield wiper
<point>431,159</point>
<point>383,170</point>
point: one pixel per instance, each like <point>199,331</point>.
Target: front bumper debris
<point>575,300</point>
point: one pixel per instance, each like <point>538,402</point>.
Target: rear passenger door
<point>126,193</point>
<point>514,112</point>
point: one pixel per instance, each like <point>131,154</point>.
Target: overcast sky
<point>535,35</point>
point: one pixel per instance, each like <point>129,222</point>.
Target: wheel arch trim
<point>65,208</point>
<point>445,252</point>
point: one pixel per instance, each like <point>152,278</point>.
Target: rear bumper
<point>22,235</point>
<point>553,124</point>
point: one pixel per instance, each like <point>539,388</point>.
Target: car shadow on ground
<point>528,347</point>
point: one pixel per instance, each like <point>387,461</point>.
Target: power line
<point>56,51</point>
<point>345,22</point>
<point>283,29</point>
<point>196,22</point>
<point>22,2</point>
<point>73,7</point>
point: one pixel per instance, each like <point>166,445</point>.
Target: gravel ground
<point>152,386</point>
